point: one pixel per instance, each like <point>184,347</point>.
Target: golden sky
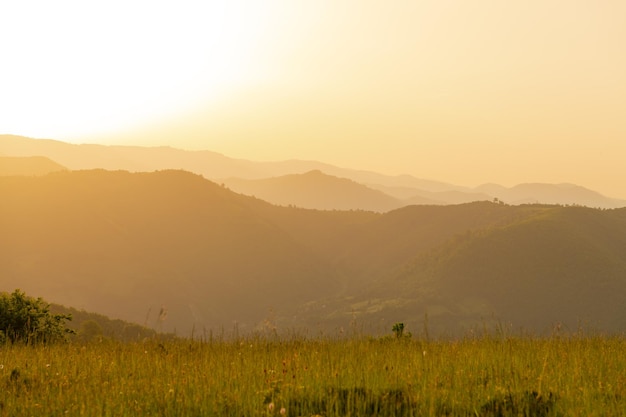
<point>460,91</point>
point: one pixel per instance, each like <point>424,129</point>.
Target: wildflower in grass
<point>283,411</point>
<point>270,406</point>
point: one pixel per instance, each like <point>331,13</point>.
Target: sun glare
<point>73,68</point>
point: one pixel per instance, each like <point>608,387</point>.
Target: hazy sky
<point>461,91</point>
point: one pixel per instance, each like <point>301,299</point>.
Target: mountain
<point>125,244</point>
<point>130,158</point>
<point>565,194</point>
<point>133,245</point>
<point>557,267</point>
<point>211,165</point>
<point>315,190</point>
<point>28,165</point>
<point>222,169</point>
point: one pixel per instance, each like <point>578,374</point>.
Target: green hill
<point>560,266</point>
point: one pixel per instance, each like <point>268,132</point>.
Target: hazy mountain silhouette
<point>28,165</point>
<point>217,167</point>
<point>211,165</point>
<point>315,190</point>
<point>127,244</point>
<point>566,194</point>
<point>129,158</point>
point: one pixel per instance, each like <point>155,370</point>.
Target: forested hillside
<point>559,267</point>
<point>181,253</point>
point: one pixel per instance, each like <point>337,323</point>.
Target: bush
<point>28,320</point>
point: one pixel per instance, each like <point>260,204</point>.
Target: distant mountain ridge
<point>211,165</point>
<point>129,244</point>
<point>549,194</point>
<point>315,190</point>
<point>239,173</point>
<point>28,165</point>
<point>318,190</point>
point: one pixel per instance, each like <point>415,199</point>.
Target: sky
<point>465,92</point>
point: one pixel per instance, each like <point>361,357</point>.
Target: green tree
<point>28,320</point>
<point>398,329</point>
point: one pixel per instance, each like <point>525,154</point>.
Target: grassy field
<point>573,376</point>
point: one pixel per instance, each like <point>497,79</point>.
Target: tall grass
<point>573,376</point>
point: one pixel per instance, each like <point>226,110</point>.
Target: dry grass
<point>358,377</point>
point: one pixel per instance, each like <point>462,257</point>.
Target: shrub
<point>398,329</point>
<point>28,320</point>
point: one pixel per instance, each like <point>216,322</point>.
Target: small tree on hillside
<point>28,320</point>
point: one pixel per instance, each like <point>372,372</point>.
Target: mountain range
<point>307,184</point>
<point>184,254</point>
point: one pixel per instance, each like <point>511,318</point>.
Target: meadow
<point>296,376</point>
